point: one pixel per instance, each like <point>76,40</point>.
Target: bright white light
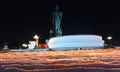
<point>35,37</point>
<point>24,45</point>
<point>76,41</point>
<point>109,38</point>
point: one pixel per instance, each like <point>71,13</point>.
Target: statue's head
<point>57,7</point>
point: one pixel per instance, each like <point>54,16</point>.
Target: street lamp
<point>109,39</point>
<point>110,42</point>
<point>37,38</point>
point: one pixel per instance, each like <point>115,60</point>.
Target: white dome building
<point>76,41</point>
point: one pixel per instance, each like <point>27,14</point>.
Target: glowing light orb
<point>109,37</point>
<point>74,41</point>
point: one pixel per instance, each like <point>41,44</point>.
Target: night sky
<point>22,20</point>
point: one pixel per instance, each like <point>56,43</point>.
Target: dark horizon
<point>25,19</point>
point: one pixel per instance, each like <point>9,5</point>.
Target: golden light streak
<point>55,60</point>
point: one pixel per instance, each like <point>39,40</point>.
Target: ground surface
<point>99,60</point>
